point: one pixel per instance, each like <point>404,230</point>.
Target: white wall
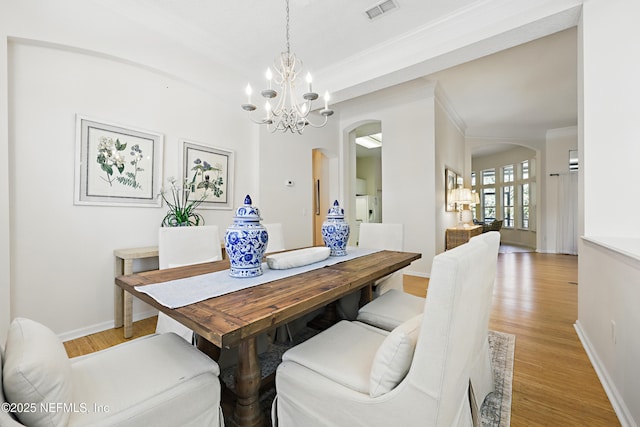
<point>608,293</point>
<point>72,288</point>
<point>609,152</point>
<point>5,250</point>
<point>610,115</point>
<point>370,169</point>
<point>559,142</point>
<point>449,154</point>
<point>408,161</point>
<point>289,157</point>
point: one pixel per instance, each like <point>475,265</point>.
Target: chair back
<point>178,246</point>
<point>454,327</point>
<point>276,238</point>
<point>387,236</point>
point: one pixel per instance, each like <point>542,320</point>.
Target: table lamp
<point>461,196</point>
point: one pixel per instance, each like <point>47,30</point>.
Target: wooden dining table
<point>237,318</point>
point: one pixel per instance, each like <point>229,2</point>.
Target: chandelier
<point>287,114</point>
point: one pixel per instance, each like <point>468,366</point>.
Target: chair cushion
<point>37,373</point>
<point>343,353</point>
<point>393,358</point>
<point>391,309</point>
<point>155,380</point>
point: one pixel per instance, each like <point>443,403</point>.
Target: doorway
<point>368,174</point>
<point>320,166</point>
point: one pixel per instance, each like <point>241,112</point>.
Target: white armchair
<point>153,380</point>
<point>377,378</point>
<point>372,235</point>
<point>178,246</point>
<point>395,307</point>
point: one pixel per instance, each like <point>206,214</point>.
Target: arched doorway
<point>367,197</point>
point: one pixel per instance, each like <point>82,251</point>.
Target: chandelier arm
<point>258,122</point>
<point>318,125</point>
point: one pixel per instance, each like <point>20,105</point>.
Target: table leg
<point>118,296</point>
<point>366,296</point>
<point>247,410</point>
<point>118,301</point>
<point>128,315</point>
<point>208,348</point>
<point>128,302</point>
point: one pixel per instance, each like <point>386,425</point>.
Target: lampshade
<point>461,196</point>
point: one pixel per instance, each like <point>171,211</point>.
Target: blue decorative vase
<point>245,241</point>
<point>335,231</point>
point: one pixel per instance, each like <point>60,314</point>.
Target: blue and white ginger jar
<point>335,231</point>
<point>246,241</point>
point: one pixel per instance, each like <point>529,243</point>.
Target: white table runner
<point>182,292</point>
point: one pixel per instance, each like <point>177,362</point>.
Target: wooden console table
<point>458,236</point>
<point>123,301</point>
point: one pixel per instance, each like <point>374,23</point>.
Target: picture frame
<point>117,165</point>
<point>209,169</point>
<point>450,183</point>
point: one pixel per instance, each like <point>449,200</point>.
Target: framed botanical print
<point>450,182</point>
<point>117,165</point>
<point>209,172</point>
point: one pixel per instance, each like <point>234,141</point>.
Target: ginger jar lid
<point>336,211</point>
<point>247,212</point>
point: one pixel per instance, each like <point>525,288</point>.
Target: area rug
<point>495,410</point>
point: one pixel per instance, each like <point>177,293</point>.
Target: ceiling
<point>520,92</point>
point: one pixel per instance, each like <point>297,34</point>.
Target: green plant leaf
<point>120,146</point>
<point>108,169</point>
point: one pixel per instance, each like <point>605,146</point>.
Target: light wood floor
<point>535,298</point>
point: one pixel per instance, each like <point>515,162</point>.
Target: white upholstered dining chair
<point>417,374</point>
<point>390,310</point>
<point>387,236</point>
<point>179,246</point>
<point>149,381</point>
<point>276,237</point>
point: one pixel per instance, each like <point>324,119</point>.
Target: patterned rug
<point>495,410</point>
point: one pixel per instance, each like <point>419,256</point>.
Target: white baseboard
<point>103,326</point>
<point>620,408</point>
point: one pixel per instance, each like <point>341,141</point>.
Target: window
<point>524,214</point>
<point>506,193</point>
<point>507,173</point>
<point>488,177</point>
<point>508,210</point>
<point>573,160</point>
<point>488,201</point>
<point>524,170</point>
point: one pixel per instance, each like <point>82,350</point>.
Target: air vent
<point>380,9</point>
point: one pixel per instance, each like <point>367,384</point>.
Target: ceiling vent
<point>380,9</point>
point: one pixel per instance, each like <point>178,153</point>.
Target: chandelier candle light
<point>287,115</point>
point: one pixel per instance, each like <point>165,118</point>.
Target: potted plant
<point>182,210</point>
